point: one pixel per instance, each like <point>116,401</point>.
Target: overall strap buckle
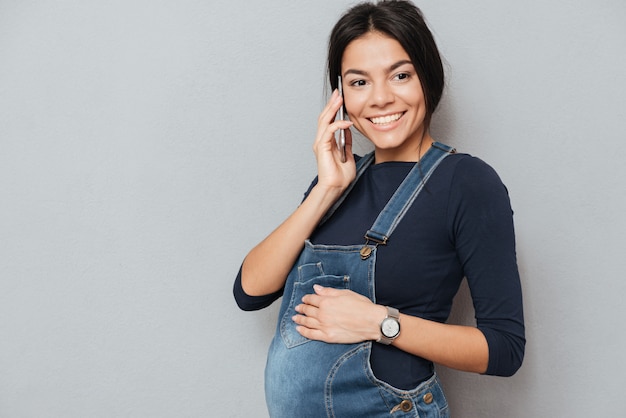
<point>377,238</point>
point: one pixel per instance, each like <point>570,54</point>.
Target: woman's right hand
<point>332,173</point>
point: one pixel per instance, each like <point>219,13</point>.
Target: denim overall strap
<point>407,192</point>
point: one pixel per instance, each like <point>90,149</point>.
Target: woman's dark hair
<point>402,21</point>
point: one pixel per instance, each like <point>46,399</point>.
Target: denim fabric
<point>306,378</point>
<point>407,192</point>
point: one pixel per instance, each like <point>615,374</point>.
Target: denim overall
<point>306,378</point>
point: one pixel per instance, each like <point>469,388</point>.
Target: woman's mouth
<point>385,120</point>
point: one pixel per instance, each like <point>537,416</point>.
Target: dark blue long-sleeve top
<point>461,225</point>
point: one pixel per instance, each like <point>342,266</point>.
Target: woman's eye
<point>402,76</point>
<point>358,83</point>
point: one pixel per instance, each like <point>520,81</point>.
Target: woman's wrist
<point>325,196</point>
<point>379,313</point>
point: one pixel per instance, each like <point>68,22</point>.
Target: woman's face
<point>383,96</point>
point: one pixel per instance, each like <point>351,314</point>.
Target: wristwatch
<point>390,327</point>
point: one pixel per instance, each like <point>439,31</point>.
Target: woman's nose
<point>382,95</point>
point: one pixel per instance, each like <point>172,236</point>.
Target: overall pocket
<point>308,275</point>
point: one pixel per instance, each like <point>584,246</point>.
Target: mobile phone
<point>341,141</point>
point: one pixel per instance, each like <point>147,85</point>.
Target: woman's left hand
<point>338,316</point>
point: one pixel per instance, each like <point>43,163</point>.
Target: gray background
<point>146,146</point>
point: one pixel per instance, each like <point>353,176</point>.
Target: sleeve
<point>482,223</point>
<point>252,303</point>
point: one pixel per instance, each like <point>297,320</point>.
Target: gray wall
<point>146,146</point>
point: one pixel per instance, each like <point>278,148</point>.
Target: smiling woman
<point>384,98</point>
<point>368,264</point>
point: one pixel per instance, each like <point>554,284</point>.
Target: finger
<point>332,127</point>
<point>325,291</point>
<point>330,110</point>
<point>311,334</point>
<point>327,123</point>
<point>308,310</point>
<point>306,321</point>
<point>311,299</point>
<point>327,136</point>
<point>328,118</point>
<point>318,288</point>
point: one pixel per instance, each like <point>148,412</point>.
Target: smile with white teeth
<point>384,120</point>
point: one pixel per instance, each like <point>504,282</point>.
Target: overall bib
<point>306,378</point>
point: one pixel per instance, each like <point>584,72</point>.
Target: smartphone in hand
<point>341,141</point>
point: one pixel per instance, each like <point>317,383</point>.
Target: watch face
<point>390,327</point>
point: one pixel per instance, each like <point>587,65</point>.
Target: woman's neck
<point>407,153</point>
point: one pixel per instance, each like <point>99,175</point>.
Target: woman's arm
<point>343,316</point>
<point>485,243</point>
<point>266,267</point>
<point>455,346</point>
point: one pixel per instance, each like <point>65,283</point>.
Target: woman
<point>370,261</point>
